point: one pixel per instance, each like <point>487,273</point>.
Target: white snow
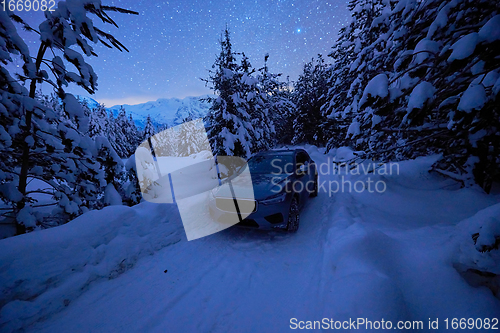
<point>26,217</point>
<point>72,106</point>
<point>344,154</point>
<point>111,196</point>
<point>487,223</point>
<point>376,120</point>
<point>130,162</point>
<point>389,255</point>
<point>42,272</point>
<point>490,78</point>
<point>353,129</point>
<point>473,98</point>
<point>424,50</point>
<point>478,67</point>
<point>441,19</point>
<point>378,86</point>
<point>420,95</point>
<point>496,87</point>
<point>490,32</point>
<point>464,47</point>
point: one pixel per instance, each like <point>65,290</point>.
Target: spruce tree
<point>230,128</point>
<point>121,127</point>
<point>149,129</point>
<point>308,96</point>
<point>278,106</point>
<point>99,122</point>
<point>133,136</point>
<point>359,43</point>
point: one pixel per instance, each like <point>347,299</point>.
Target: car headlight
<point>280,197</point>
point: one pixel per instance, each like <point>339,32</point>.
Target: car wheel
<point>293,216</point>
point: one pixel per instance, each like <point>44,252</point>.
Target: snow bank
<point>480,253</point>
<point>111,196</point>
<point>343,154</point>
<point>42,272</point>
<point>365,274</point>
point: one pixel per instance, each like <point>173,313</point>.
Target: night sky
<point>173,44</point>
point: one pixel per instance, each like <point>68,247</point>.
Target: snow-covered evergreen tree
<point>252,99</point>
<point>149,129</point>
<point>360,44</point>
<point>112,166</point>
<point>118,134</point>
<point>99,121</point>
<point>40,144</point>
<point>165,142</point>
<point>423,85</point>
<point>121,131</point>
<point>132,136</point>
<point>131,188</point>
<point>277,96</point>
<point>309,91</point>
<point>230,127</point>
<point>278,106</point>
<point>191,138</point>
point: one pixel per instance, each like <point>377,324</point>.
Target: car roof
<point>277,151</point>
<point>281,151</point>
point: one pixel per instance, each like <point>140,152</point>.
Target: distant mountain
<point>163,111</point>
<point>91,103</point>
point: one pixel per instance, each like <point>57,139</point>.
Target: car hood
<point>264,185</point>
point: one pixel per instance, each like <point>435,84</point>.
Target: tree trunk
<point>25,159</point>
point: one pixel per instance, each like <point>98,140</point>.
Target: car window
<point>271,164</point>
<point>302,158</point>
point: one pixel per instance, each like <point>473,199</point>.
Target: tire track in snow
<point>351,263</point>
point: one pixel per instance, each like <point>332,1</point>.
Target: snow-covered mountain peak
<point>165,111</point>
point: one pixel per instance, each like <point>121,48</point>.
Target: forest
<point>404,79</point>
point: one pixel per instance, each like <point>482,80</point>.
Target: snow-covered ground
<point>388,255</point>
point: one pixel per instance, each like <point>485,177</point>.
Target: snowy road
<point>356,255</point>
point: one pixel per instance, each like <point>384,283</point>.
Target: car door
<point>302,159</point>
<point>312,168</point>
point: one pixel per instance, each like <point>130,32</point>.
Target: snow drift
<point>42,272</point>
